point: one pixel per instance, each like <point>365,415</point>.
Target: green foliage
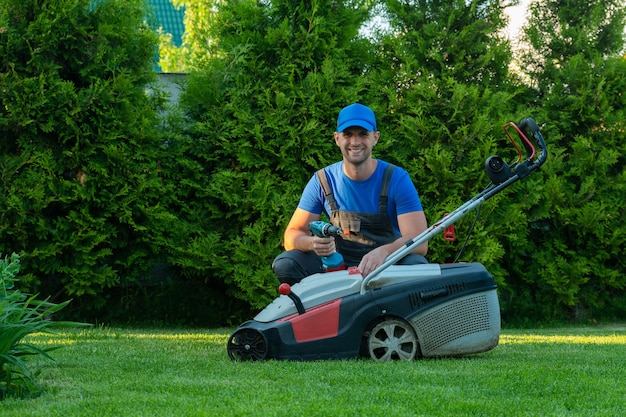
<point>107,195</point>
<point>265,112</point>
<point>572,265</point>
<point>22,315</point>
<point>84,199</point>
<point>560,30</point>
<point>442,37</point>
<point>440,85</point>
<point>442,107</point>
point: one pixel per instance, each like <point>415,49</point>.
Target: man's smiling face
<point>356,144</point>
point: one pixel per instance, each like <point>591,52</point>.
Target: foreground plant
<point>21,315</point>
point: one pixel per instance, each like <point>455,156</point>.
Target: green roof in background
<point>170,18</point>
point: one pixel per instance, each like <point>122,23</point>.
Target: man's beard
<point>359,159</point>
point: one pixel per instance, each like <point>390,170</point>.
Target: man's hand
<point>373,260</point>
<point>324,246</point>
<point>411,224</point>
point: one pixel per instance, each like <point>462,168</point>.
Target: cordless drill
<point>333,262</point>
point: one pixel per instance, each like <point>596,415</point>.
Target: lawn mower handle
<point>501,175</point>
<point>529,123</point>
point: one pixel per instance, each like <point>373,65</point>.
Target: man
<point>372,201</point>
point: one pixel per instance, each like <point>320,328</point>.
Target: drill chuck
<point>323,229</point>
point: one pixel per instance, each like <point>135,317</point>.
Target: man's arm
<point>411,225</point>
<point>298,236</point>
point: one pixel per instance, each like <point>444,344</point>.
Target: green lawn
<point>119,372</point>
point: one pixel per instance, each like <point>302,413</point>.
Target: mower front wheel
<point>247,345</point>
<point>392,339</point>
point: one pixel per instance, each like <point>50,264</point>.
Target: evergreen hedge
<point>572,265</point>
<point>154,215</point>
<point>84,200</point>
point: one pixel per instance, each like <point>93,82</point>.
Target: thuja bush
<point>443,93</point>
<point>22,315</point>
<point>94,196</point>
<point>83,200</point>
<point>570,266</point>
<point>263,111</point>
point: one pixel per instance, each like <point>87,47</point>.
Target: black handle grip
<point>528,125</point>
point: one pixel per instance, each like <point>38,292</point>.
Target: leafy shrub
<point>262,121</point>
<point>571,265</point>
<point>99,192</point>
<point>20,316</point>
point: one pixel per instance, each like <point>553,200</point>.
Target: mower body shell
<point>453,309</point>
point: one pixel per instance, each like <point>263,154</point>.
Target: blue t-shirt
<point>362,196</point>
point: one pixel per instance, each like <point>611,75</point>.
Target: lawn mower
<point>397,312</point>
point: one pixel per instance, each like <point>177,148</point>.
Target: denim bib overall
<point>362,231</point>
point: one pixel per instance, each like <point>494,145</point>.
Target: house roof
<point>169,19</point>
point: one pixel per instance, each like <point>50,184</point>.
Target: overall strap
<point>384,188</point>
<point>328,193</point>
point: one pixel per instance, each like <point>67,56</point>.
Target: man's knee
<point>413,259</point>
<point>291,266</point>
<point>287,270</point>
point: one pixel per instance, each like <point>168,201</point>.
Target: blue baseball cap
<point>356,115</point>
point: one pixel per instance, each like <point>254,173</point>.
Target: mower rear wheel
<point>247,345</point>
<point>392,339</point>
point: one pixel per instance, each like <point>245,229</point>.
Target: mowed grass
<point>131,372</point>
